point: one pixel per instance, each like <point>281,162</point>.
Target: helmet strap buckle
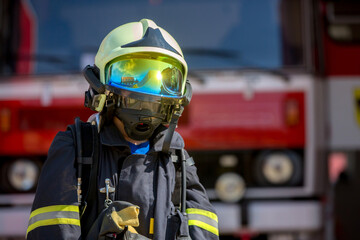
<point>98,102</point>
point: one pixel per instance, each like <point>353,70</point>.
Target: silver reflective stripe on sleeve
<point>203,219</point>
<point>53,215</point>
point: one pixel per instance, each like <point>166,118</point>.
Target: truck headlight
<point>230,187</point>
<point>279,168</point>
<point>22,175</point>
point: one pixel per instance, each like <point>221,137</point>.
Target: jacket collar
<point>177,141</point>
<point>111,136</point>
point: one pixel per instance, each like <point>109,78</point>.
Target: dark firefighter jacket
<point>143,180</point>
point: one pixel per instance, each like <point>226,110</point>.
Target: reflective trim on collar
<point>53,215</point>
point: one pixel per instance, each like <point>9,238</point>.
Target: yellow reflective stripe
<point>202,212</point>
<point>52,215</point>
<point>151,227</point>
<point>54,221</point>
<point>68,208</point>
<point>205,226</point>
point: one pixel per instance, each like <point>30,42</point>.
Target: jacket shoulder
<point>57,181</point>
<point>63,139</point>
<point>177,142</point>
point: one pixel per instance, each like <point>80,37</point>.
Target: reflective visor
<point>149,76</point>
<point>156,109</point>
<point>132,103</point>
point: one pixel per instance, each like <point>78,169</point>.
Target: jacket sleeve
<point>55,212</point>
<point>202,219</point>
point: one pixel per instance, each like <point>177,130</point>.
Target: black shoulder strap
<point>178,157</point>
<point>181,160</point>
<point>86,138</point>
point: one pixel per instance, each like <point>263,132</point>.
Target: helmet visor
<point>155,109</point>
<point>149,76</point>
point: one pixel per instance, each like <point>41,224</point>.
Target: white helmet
<point>143,66</point>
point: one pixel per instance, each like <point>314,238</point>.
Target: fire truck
<point>276,89</point>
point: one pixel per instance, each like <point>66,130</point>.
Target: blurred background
<point>273,126</point>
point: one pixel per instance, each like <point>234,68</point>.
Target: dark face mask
<point>139,124</point>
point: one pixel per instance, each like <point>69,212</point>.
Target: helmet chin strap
<point>171,129</point>
<point>175,118</point>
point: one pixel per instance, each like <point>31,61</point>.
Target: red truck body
<point>238,118</point>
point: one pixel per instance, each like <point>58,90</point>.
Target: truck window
<point>217,35</point>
